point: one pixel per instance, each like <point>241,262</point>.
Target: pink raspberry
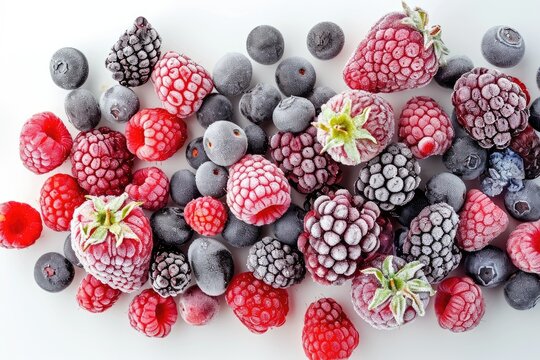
<point>523,247</point>
<point>151,187</point>
<point>152,314</point>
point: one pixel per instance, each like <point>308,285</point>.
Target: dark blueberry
<point>82,109</point>
<point>534,118</point>
<point>258,142</point>
<point>70,254</point>
<point>53,272</point>
<point>295,76</point>
<point>505,171</point>
<point>405,214</point>
<point>225,143</point>
<point>320,96</point>
<point>399,239</point>
<point>211,179</point>
<point>466,158</point>
<point>489,267</point>
<point>265,44</point>
<point>119,104</point>
<point>170,228</point>
<point>325,40</point>
<point>448,188</point>
<point>69,68</point>
<point>503,46</point>
<point>258,103</point>
<point>287,228</point>
<point>232,74</point>
<point>240,234</point>
<point>451,71</point>
<point>459,131</point>
<point>524,205</point>
<point>183,187</point>
<point>522,291</point>
<point>293,114</point>
<point>215,107</point>
<point>195,154</point>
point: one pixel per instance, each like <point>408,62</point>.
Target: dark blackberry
<point>170,273</point>
<point>53,272</point>
<point>169,228</point>
<point>527,145</point>
<point>258,142</point>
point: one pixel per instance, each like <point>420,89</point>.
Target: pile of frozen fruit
<point>397,240</point>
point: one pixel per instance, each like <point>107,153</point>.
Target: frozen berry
<point>20,225</point>
<point>448,188</point>
<point>258,142</point>
<point>195,153</point>
<point>534,118</point>
<point>466,158</point>
<point>409,211</point>
<point>211,179</point>
<point>183,187</point>
<point>69,68</point>
<point>288,228</point>
<point>503,46</point>
<point>152,314</point>
<point>225,143</point>
<point>239,234</point>
<point>70,254</point>
<point>459,131</point>
<point>170,273</point>
<point>524,205</point>
<point>150,186</point>
<point>505,171</point>
<point>265,44</point>
<point>119,104</point>
<point>325,40</point>
<point>451,71</point>
<point>214,107</point>
<point>523,247</point>
<point>522,291</point>
<point>197,308</point>
<point>206,215</point>
<point>169,228</point>
<point>293,114</point>
<point>258,103</point>
<point>295,76</point>
<point>53,272</point>
<point>489,267</point>
<point>82,109</point>
<point>320,96</point>
<point>232,74</point>
<point>94,296</point>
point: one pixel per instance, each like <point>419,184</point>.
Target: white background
<point>35,324</point>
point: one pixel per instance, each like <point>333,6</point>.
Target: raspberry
<point>101,162</point>
<point>155,135</point>
<point>20,225</point>
<point>151,187</point>
<point>480,221</point>
<point>95,296</point>
<point>258,305</point>
<point>527,145</point>
<point>523,247</point>
<point>425,127</point>
<point>181,84</point>
<point>206,215</point>
<point>60,196</point>
<point>257,191</point>
<point>152,314</point>
<point>44,143</point>
<point>459,304</point>
<point>328,334</point>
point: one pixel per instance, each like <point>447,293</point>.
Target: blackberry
<point>258,143</point>
<point>169,228</point>
<point>527,145</point>
<point>170,273</point>
<point>390,178</point>
<point>278,265</point>
<point>134,55</point>
<point>214,107</point>
<point>465,158</point>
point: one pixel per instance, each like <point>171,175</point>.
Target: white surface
<point>38,325</point>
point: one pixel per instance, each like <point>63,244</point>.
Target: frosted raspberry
<point>95,296</point>
<point>152,314</point>
<point>20,225</point>
<point>206,215</point>
<point>151,187</point>
<point>523,247</point>
<point>60,196</point>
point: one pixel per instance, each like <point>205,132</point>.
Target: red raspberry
<point>480,221</point>
<point>258,305</point>
<point>60,196</point>
<point>459,304</point>
<point>101,162</point>
<point>155,135</point>
<point>44,143</point>
<point>151,187</point>
<point>523,247</point>
<point>328,333</point>
<point>181,84</point>
<point>20,225</point>
<point>152,314</point>
<point>95,296</point>
<point>257,191</point>
<point>425,127</point>
<point>206,215</point>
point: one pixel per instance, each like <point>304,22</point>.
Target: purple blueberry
<point>522,291</point>
<point>53,272</point>
<point>489,267</point>
<point>288,228</point>
<point>232,74</point>
<point>325,40</point>
<point>524,205</point>
<point>258,103</point>
<point>214,107</point>
<point>240,234</point>
<point>69,68</point>
<point>195,153</point>
<point>169,228</point>
<point>295,76</point>
<point>82,109</point>
<point>320,96</point>
<point>258,142</point>
<point>293,114</point>
<point>211,179</point>
<point>503,46</point>
<point>183,188</point>
<point>119,104</point>
<point>451,71</point>
<point>265,44</point>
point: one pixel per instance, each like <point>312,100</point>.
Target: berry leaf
<point>397,306</point>
<point>388,267</point>
<point>381,296</point>
<point>418,286</point>
<point>408,271</point>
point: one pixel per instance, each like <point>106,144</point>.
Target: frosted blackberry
<point>265,44</point>
<point>288,228</point>
<point>195,153</point>
<point>232,74</point>
<point>70,254</point>
<point>451,71</point>
<point>82,109</point>
<point>134,55</point>
<point>524,205</point>
<point>183,187</point>
<point>325,40</point>
<point>170,273</point>
<point>169,228</point>
<point>448,188</point>
<point>503,46</point>
<point>225,143</point>
<point>294,114</point>
<point>295,76</point>
<point>320,96</point>
<point>119,104</point>
<point>259,102</point>
<point>465,158</point>
<point>211,179</point>
<point>390,178</point>
<point>68,68</point>
<point>214,107</point>
<point>240,234</point>
<point>258,142</point>
<point>277,264</point>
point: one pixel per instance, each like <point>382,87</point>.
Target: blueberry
<point>534,118</point>
<point>448,188</point>
<point>82,109</point>
<point>69,68</point>
<point>459,131</point>
<point>211,179</point>
<point>293,114</point>
<point>524,205</point>
<point>505,171</point>
<point>119,104</point>
<point>449,73</point>
<point>503,46</point>
<point>325,40</point>
<point>265,44</point>
<point>169,227</point>
<point>183,188</point>
<point>295,76</point>
<point>287,228</point>
<point>214,107</point>
<point>258,103</point>
<point>405,214</point>
<point>225,143</point>
<point>232,74</point>
<point>258,142</point>
<point>212,265</point>
<point>489,267</point>
<point>195,153</point>
<point>320,96</point>
<point>70,254</point>
<point>53,272</point>
<point>240,234</point>
<point>465,158</point>
<point>522,291</point>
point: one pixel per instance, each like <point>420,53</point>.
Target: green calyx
<point>399,286</point>
<point>344,130</point>
<point>108,218</point>
<point>418,19</point>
